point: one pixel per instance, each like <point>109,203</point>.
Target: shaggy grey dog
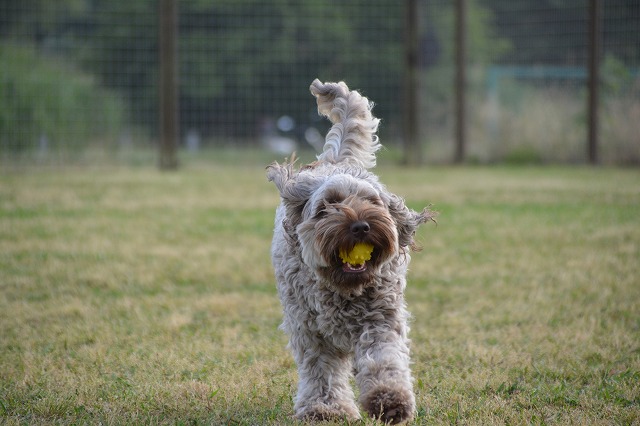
<point>342,317</point>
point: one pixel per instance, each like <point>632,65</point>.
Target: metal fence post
<point>595,47</point>
<point>167,41</point>
<point>412,145</point>
<point>460,80</point>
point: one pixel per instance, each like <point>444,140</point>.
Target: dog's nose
<point>360,228</point>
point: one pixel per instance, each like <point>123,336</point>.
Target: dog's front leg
<point>324,392</point>
<point>384,376</point>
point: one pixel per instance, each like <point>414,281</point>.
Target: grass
<point>132,296</point>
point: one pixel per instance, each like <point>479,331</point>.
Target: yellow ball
<point>360,253</point>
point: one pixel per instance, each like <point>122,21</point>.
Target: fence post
<point>168,57</point>
<point>460,80</point>
<point>595,47</point>
<point>412,145</point>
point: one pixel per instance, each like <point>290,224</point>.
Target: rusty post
<point>595,46</point>
<point>460,80</point>
<point>168,52</point>
<point>412,142</point>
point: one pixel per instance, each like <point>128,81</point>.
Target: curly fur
<point>352,136</point>
<point>341,320</point>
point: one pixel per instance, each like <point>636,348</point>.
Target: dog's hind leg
<point>324,392</point>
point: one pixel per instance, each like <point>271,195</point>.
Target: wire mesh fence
<point>527,72</point>
<point>79,78</point>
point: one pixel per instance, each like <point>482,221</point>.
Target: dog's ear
<point>407,220</point>
<point>295,188</point>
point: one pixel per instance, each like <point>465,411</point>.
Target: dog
<point>342,317</point>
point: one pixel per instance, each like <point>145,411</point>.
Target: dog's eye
<point>334,197</point>
<point>375,201</point>
<point>321,211</point>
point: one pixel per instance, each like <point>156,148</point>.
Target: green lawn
<point>132,296</point>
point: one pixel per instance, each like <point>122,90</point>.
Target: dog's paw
<point>388,404</point>
<point>321,411</point>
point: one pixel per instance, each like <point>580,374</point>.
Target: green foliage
<point>30,18</point>
<point>257,58</point>
<point>617,78</point>
<point>484,46</point>
<point>554,31</point>
<point>523,155</point>
<point>243,60</point>
<point>120,47</point>
<point>43,97</point>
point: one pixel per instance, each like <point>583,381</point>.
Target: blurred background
<point>82,80</point>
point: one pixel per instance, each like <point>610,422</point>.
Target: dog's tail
<point>353,133</point>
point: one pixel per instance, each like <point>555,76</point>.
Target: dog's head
<point>330,214</point>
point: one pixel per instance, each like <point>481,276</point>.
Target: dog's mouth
<point>354,269</point>
<point>354,259</point>
<point>354,266</point>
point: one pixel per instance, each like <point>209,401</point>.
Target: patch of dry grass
<point>130,296</point>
